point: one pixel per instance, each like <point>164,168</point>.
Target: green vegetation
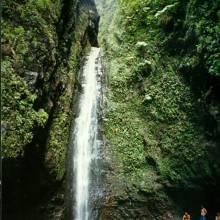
<point>58,135</point>
<point>43,42</point>
<point>25,42</point>
<point>162,61</point>
<point>18,109</point>
<point>163,65</point>
<point>41,48</point>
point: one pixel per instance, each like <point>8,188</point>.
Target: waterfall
<point>86,142</point>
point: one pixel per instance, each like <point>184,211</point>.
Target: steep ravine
<point>43,43</point>
<point>162,111</point>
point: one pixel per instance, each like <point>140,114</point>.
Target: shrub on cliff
<point>19,116</point>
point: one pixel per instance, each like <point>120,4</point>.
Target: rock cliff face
<point>42,45</point>
<point>162,120</point>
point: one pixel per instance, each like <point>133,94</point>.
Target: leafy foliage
<point>19,116</point>
<point>158,109</point>
<point>30,44</point>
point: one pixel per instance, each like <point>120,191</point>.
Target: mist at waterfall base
<point>84,187</point>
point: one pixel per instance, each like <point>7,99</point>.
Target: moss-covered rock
<point>163,139</point>
<point>43,42</point>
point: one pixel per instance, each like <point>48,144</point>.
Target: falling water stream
<point>86,140</point>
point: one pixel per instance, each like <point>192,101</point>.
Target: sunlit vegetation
<point>163,116</point>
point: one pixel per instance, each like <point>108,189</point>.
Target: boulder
<point>31,79</point>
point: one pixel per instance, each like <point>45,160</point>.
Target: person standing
<point>203,213</point>
<point>217,217</point>
<point>186,216</point>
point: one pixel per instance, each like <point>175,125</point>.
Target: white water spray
<point>86,143</point>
